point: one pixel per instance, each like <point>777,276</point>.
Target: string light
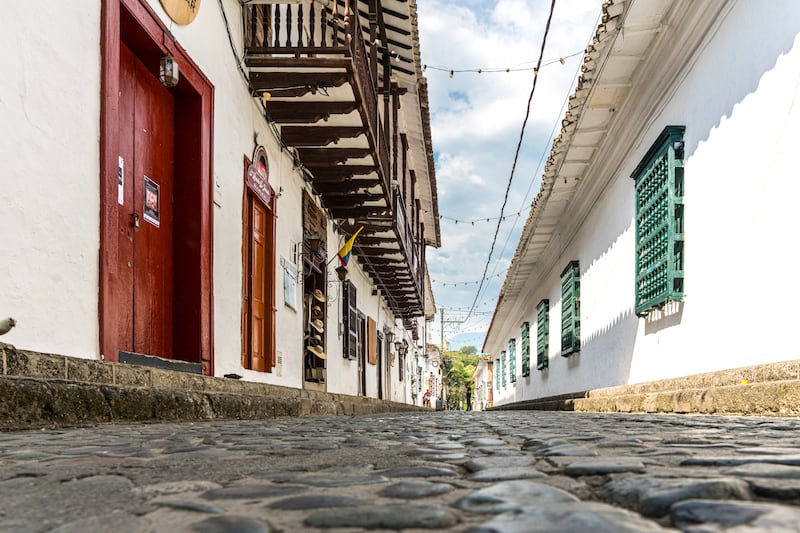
<point>458,283</point>
<point>473,221</point>
<point>493,70</point>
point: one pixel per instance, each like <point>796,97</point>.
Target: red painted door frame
<point>134,23</point>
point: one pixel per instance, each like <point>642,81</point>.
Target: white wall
<point>738,103</point>
<point>49,189</point>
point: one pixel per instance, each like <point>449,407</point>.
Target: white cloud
<point>476,121</point>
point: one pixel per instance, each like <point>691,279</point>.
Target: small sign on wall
<point>181,11</point>
<point>152,202</point>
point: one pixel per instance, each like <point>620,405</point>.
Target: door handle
<point>135,220</point>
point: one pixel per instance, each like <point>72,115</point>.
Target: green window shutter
<point>570,309</point>
<point>659,223</point>
<point>503,368</point>
<point>543,334</point>
<point>497,374</point>
<point>512,360</point>
<point>525,346</point>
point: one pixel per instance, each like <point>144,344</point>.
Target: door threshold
<point>152,361</point>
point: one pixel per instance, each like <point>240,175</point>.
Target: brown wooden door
<point>145,209</point>
<point>258,287</point>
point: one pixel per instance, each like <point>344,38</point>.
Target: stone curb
<point>769,390</point>
<point>40,390</point>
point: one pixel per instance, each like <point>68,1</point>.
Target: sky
<point>476,120</point>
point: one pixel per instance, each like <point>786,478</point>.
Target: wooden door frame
<point>149,38</point>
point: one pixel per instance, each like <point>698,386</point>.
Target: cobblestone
<point>477,472</point>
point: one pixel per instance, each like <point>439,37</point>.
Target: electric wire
<point>516,155</point>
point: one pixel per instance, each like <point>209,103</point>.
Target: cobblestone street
<point>500,471</point>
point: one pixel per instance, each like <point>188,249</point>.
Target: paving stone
<point>324,480</point>
<point>487,441</point>
<point>188,506</point>
<point>446,457</point>
<point>315,501</point>
<point>512,495</point>
<point>765,470</point>
<point>568,518</point>
<point>392,517</point>
<point>114,521</point>
<point>653,496</point>
<point>705,515</point>
<point>505,474</point>
<point>231,524</point>
<point>604,465</point>
<point>418,471</point>
<point>741,460</point>
<point>415,489</point>
<point>482,463</point>
<point>252,492</point>
<point>781,489</point>
<point>178,487</point>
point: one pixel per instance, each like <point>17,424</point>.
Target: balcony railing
<point>297,27</point>
<point>407,244</point>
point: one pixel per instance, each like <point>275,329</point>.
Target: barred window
<point>497,374</point>
<point>570,309</point>
<point>543,335</point>
<point>659,223</point>
<point>503,368</point>
<point>512,360</point>
<point>525,346</point>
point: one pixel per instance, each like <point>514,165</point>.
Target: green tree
<point>469,350</point>
<point>458,368</point>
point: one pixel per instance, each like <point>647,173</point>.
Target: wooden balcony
<point>318,64</point>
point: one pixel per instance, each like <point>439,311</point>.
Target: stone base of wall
<point>42,390</point>
<point>767,390</point>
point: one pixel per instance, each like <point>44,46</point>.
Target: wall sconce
<point>341,272</point>
<point>398,346</point>
<point>168,71</point>
<point>390,336</point>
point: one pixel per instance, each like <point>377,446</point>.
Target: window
<point>659,222</point>
<point>526,349</point>
<point>543,335</point>
<point>497,374</point>
<point>503,368</point>
<point>570,309</point>
<point>512,360</point>
<point>350,344</point>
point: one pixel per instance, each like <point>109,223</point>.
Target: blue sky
<point>476,122</point>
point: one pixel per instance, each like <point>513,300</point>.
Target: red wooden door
<point>145,209</point>
<point>258,287</point>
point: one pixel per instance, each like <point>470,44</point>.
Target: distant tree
<point>469,350</point>
<point>458,368</point>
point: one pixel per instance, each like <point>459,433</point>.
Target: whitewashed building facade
<point>662,241</point>
<point>198,218</point>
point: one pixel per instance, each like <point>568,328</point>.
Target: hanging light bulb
<point>562,61</point>
<point>451,74</point>
<point>424,68</point>
<point>480,71</point>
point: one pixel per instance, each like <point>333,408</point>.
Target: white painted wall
<point>738,102</point>
<point>49,147</point>
<point>49,190</point>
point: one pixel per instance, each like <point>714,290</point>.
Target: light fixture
<point>398,346</point>
<point>562,61</point>
<point>265,96</point>
<point>390,336</point>
<point>341,272</point>
<point>451,74</point>
<point>168,71</point>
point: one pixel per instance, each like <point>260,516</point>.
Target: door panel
<point>145,257</point>
<point>258,287</point>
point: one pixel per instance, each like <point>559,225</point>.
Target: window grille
<point>512,360</point>
<point>525,346</point>
<point>497,374</point>
<point>659,223</point>
<point>543,334</point>
<point>503,368</point>
<point>570,309</point>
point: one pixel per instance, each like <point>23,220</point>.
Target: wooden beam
<point>319,135</point>
<point>331,155</point>
<point>329,188</point>
<point>292,111</point>
<point>257,60</point>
